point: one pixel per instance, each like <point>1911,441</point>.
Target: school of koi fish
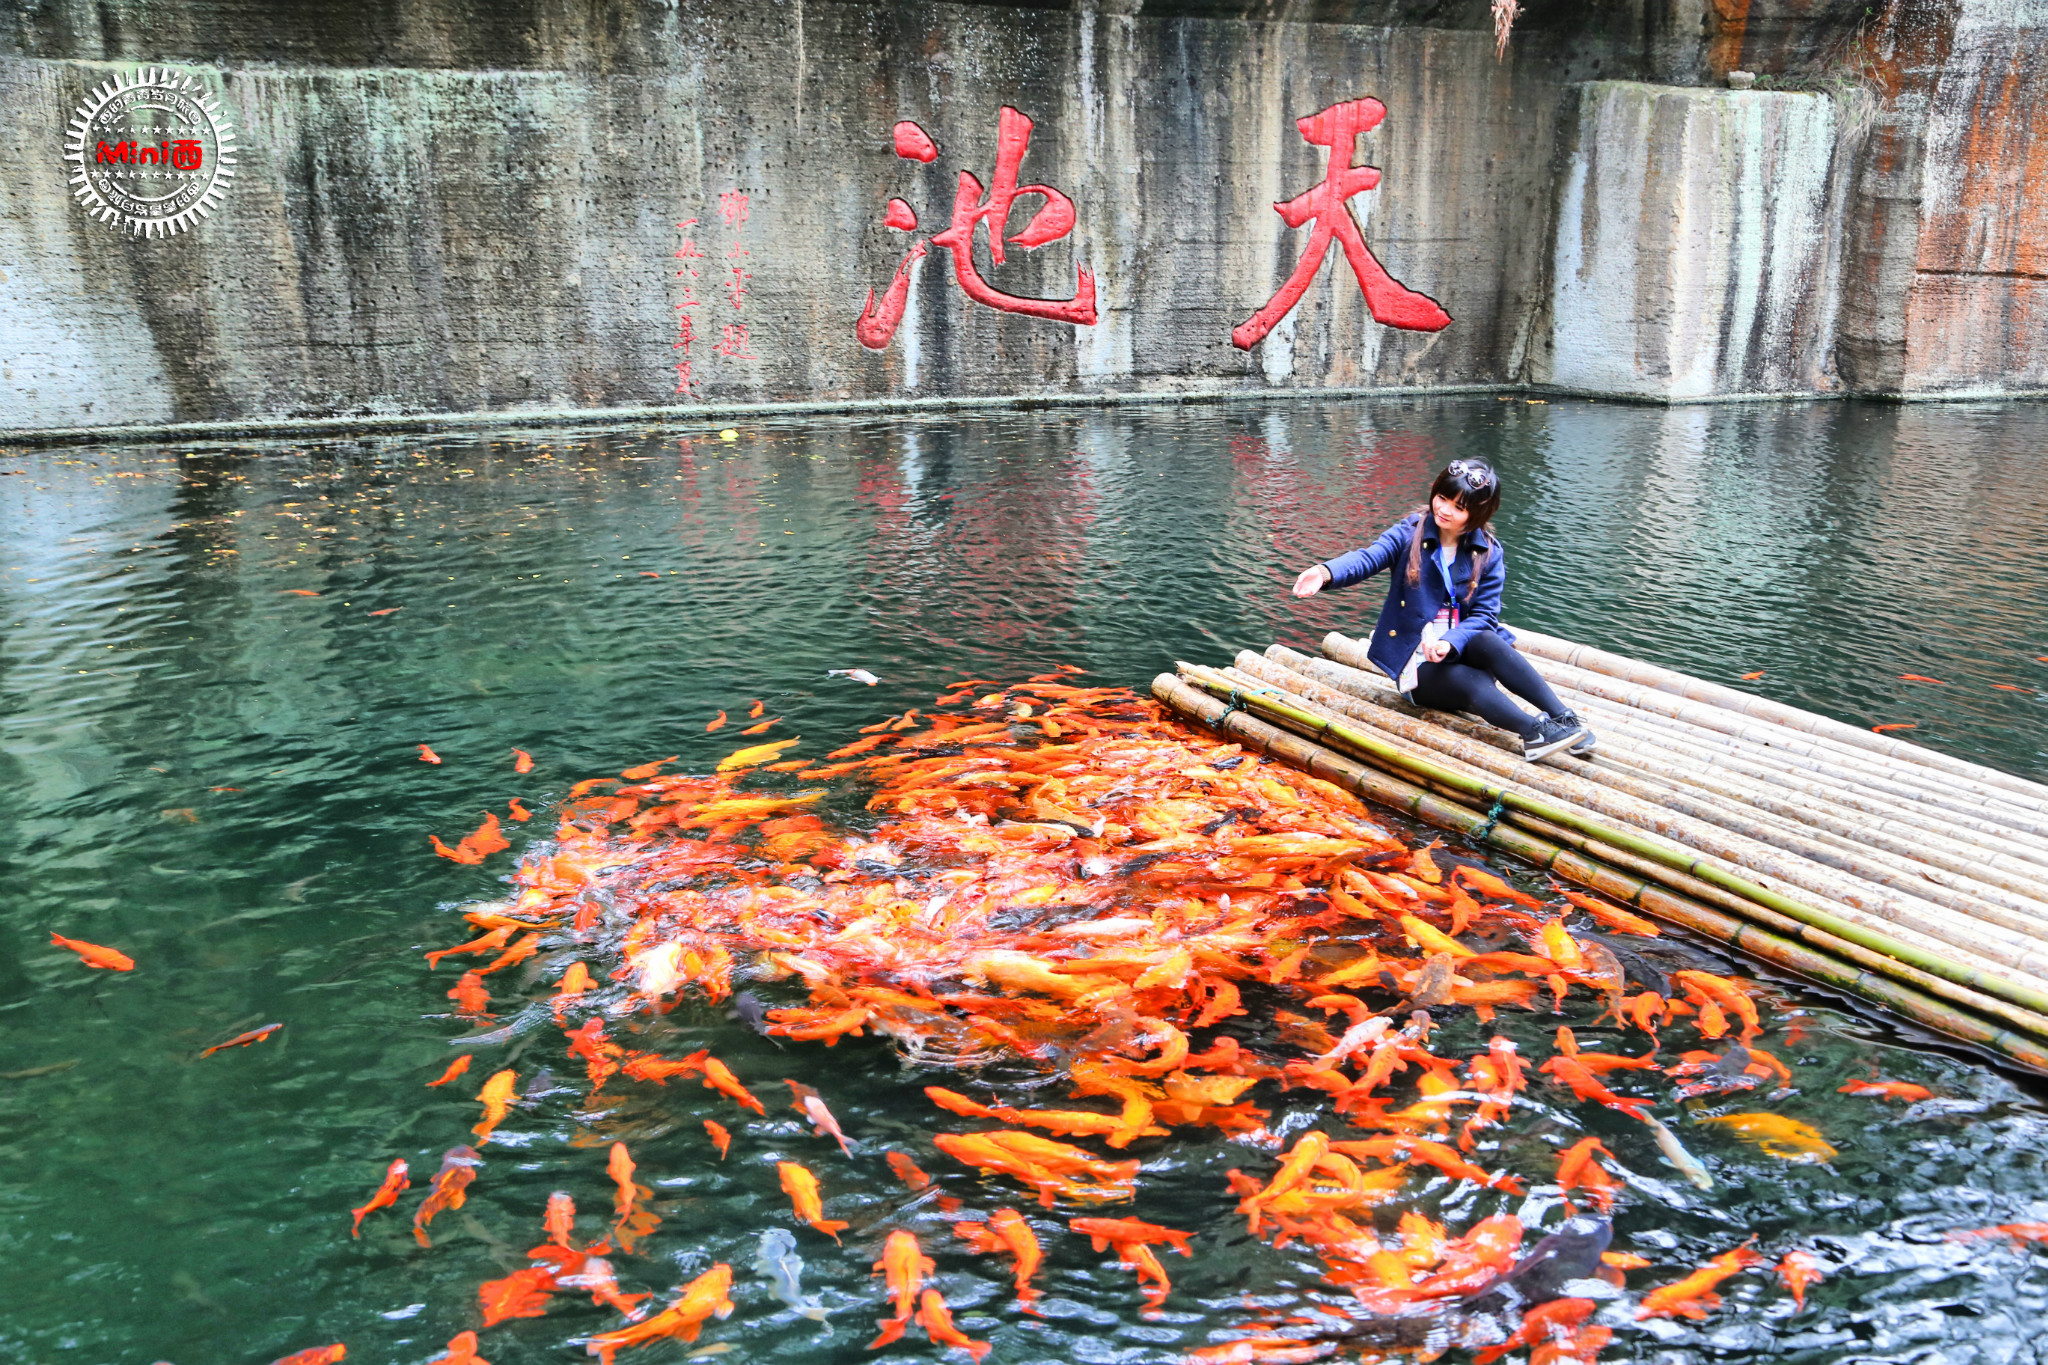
<point>1065,879</point>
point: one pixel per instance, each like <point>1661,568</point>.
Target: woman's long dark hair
<point>1474,486</point>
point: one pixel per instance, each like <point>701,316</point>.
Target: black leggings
<point>1467,684</point>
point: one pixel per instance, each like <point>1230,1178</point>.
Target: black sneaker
<point>1582,745</point>
<point>1551,735</point>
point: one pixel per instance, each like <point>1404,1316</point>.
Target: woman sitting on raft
<point>1439,635</point>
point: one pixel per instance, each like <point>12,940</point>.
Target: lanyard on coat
<point>1450,589</point>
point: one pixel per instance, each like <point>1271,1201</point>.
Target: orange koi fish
<point>298,592</point>
<point>519,812</point>
<point>1486,884</point>
<point>812,1106</point>
<point>1006,1231</point>
<point>1309,1149</point>
<point>1921,677</point>
<point>1140,1258</point>
<point>560,1218</point>
<point>760,729</point>
<point>2016,1233</point>
<point>702,1298</point>
<point>1600,1063</point>
<point>1705,988</point>
<point>802,1188</point>
<point>386,612</point>
<point>455,1068</point>
<point>620,1168</point>
<point>647,770</point>
<point>254,1035</point>
<point>907,1171</point>
<point>451,1183</point>
<point>93,955</point>
<point>1541,1324</point>
<point>1586,1086</point>
<point>1896,725</point>
<point>395,1183</point>
<point>522,761</point>
<point>720,1138</point>
<point>1578,1170</point>
<point>497,1096</point>
<point>1694,1295</point>
<point>1786,1139</point>
<point>1797,1271</point>
<point>1105,1233</point>
<point>490,942</point>
<point>718,1077</point>
<point>1613,916</point>
<point>469,994</point>
<point>522,1294</point>
<point>596,1274</point>
<point>716,723</point>
<point>903,1267</point>
<point>937,1321</point>
<point>1448,1161</point>
<point>754,711</point>
<point>461,1350</point>
<point>1903,1091</point>
<point>574,982</point>
<point>427,755</point>
<point>1752,677</point>
<point>315,1355</point>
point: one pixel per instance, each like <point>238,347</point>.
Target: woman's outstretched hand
<point>1311,581</point>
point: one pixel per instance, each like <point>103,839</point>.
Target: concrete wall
<point>447,206</point>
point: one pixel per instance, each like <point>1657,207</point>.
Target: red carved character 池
<point>1328,204</point>
<point>972,206</point>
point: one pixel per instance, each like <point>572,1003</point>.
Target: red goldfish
<point>254,1035</point>
<point>496,1096</point>
<point>702,1298</point>
<point>1586,1086</point>
<point>93,955</point>
<point>1007,1231</point>
<point>1540,1324</point>
<point>455,1068</point>
<point>395,1183</point>
<point>802,1188</point>
<point>315,1355</point>
<point>937,1321</point>
<point>720,1138</point>
<point>461,1350</point>
<point>451,1183</point>
<point>1903,1091</point>
<point>1578,1170</point>
<point>1694,1295</point>
<point>718,1077</point>
<point>1799,1270</point>
<point>522,761</point>
<point>812,1106</point>
<point>1108,1232</point>
<point>903,1266</point>
<point>715,724</point>
<point>907,1171</point>
<point>522,1294</point>
<point>519,812</point>
<point>1140,1258</point>
<point>647,770</point>
<point>469,994</point>
<point>427,755</point>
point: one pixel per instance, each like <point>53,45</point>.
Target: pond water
<point>216,772</point>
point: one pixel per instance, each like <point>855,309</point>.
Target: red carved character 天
<point>1392,303</point>
<point>972,205</point>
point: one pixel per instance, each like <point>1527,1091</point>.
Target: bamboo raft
<point>1902,876</point>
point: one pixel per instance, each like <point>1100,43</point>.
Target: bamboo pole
<point>1805,960</point>
<point>1647,702</point>
<point>2033,794</point>
<point>1867,794</point>
<point>2012,808</point>
<point>1926,870</point>
<point>1737,840</point>
<point>1999,859</point>
<point>1703,868</point>
<point>1960,864</point>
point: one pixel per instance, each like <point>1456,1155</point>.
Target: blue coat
<point>1408,608</point>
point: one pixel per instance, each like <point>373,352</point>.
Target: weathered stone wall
<point>444,205</point>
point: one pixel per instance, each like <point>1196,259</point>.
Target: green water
<point>221,778</point>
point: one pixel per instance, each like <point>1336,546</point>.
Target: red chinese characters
<point>1328,204</point>
<point>686,330</point>
<point>972,206</point>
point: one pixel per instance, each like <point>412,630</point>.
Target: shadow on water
<point>218,774</point>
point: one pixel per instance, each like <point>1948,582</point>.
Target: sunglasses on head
<point>1473,476</point>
